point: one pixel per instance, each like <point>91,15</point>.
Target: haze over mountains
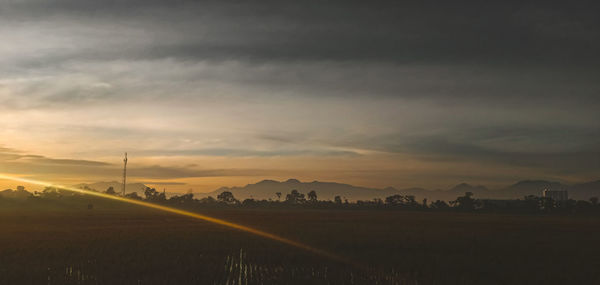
<point>267,189</point>
<point>328,190</point>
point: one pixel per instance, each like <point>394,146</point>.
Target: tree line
<point>465,203</point>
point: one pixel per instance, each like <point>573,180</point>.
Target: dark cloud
<point>490,52</point>
<point>552,149</point>
<point>499,32</point>
<point>484,52</point>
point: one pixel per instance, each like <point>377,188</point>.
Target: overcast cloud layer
<point>433,91</point>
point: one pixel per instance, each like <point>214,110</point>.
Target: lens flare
<point>187,214</point>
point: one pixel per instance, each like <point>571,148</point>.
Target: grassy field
<point>129,245</point>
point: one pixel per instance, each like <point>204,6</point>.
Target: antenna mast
<point>124,173</point>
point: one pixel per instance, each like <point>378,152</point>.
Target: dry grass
<point>116,245</point>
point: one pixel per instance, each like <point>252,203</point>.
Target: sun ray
<point>187,214</point>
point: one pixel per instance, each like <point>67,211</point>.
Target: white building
<point>556,195</point>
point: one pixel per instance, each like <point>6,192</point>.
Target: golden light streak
<point>185,213</point>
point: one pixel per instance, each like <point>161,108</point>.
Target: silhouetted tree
<point>207,200</point>
<point>133,195</point>
<point>51,193</point>
<point>110,191</point>
<point>394,200</point>
<point>278,196</point>
<point>409,200</point>
<point>149,193</point>
<point>465,203</point>
<point>439,204</point>
<point>312,196</point>
<point>183,199</point>
<point>295,197</point>
<point>399,200</point>
<point>227,197</point>
<point>337,200</point>
<point>154,196</point>
<point>594,201</point>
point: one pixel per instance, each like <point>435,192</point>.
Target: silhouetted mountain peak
<point>325,190</point>
<point>537,184</point>
<point>531,182</point>
<point>266,189</point>
<point>462,185</point>
<point>465,187</point>
<point>266,181</point>
<point>414,189</point>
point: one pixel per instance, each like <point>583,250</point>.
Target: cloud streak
<point>14,161</point>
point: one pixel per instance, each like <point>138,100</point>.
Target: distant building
<point>556,195</point>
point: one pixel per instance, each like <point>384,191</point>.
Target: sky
<point>204,94</point>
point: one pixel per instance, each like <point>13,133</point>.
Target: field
<point>129,245</point>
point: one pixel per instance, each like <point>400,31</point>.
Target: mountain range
<point>267,189</point>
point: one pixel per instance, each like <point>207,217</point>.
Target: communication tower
<point>124,173</point>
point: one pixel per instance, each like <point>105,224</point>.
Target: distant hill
<point>529,187</point>
<point>328,190</point>
<point>267,189</point>
<point>325,190</point>
<point>464,187</point>
<point>118,186</point>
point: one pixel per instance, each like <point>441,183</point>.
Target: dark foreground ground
<point>117,245</point>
